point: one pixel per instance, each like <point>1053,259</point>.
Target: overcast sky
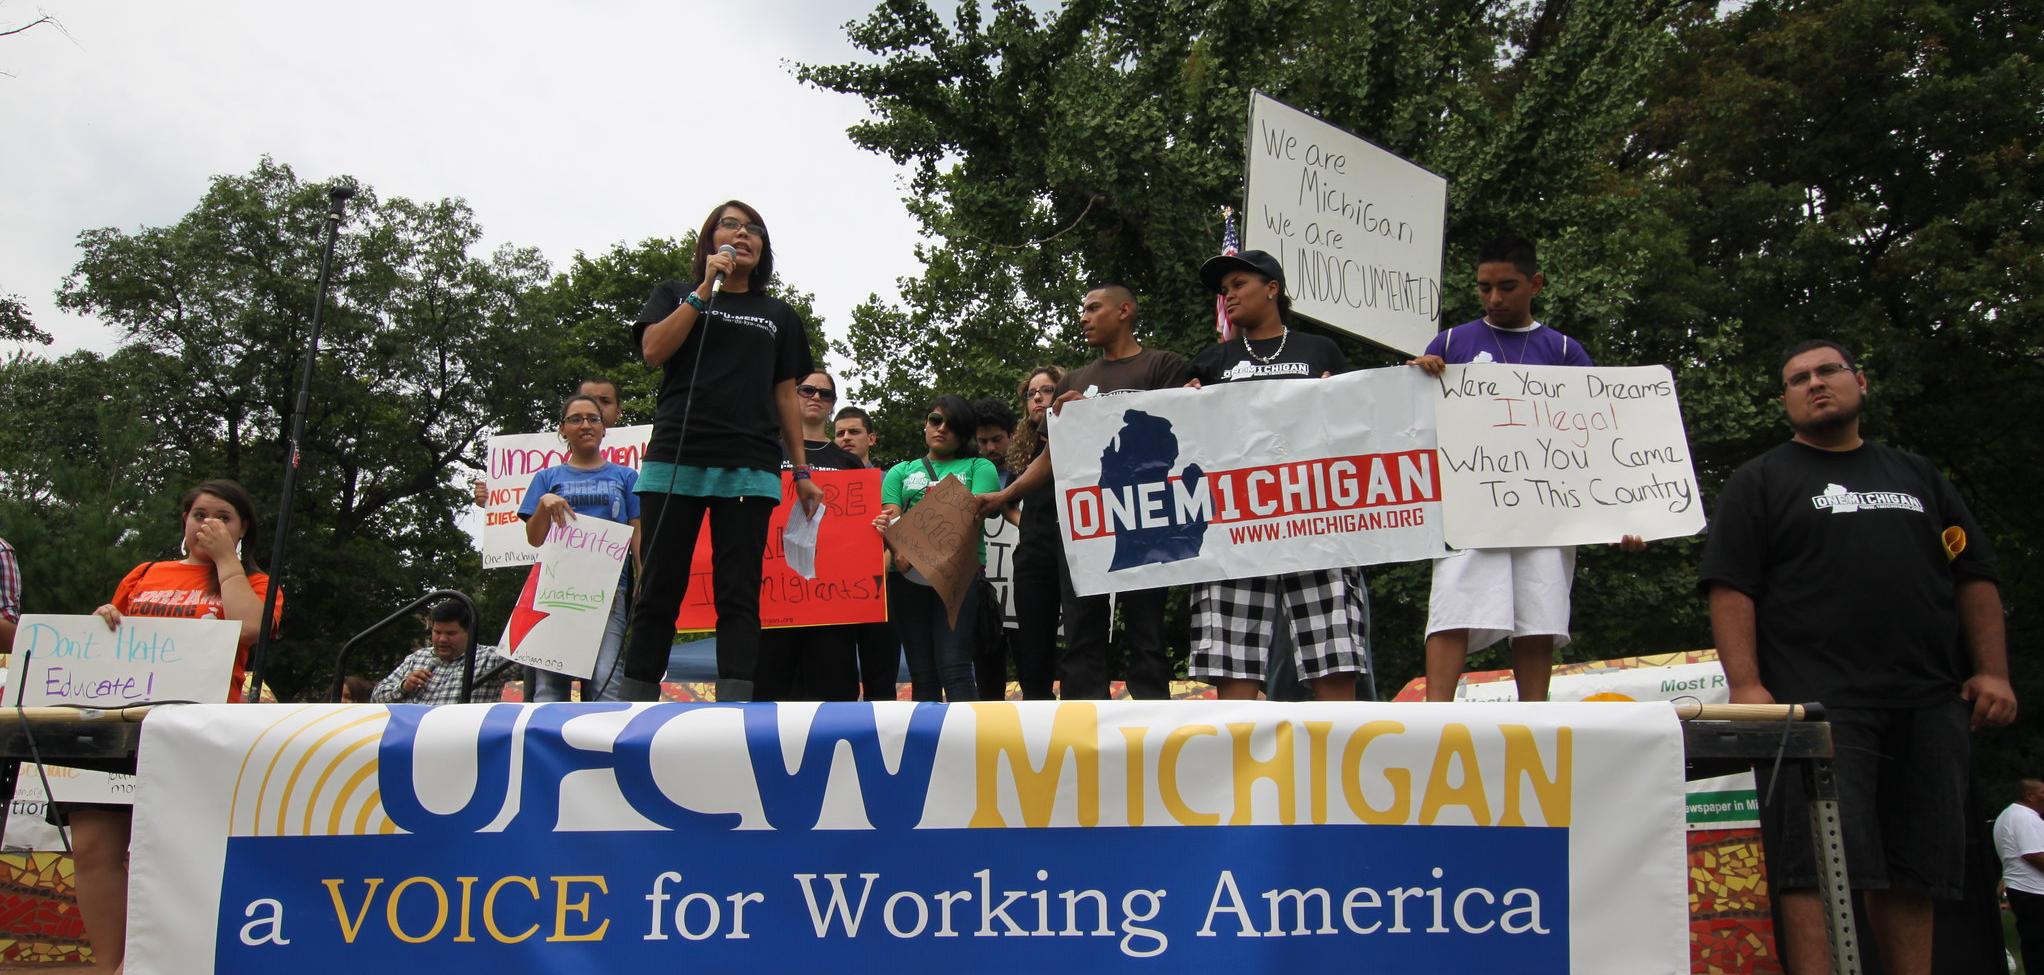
<point>566,126</point>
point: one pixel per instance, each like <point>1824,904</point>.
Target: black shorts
<point>1901,777</point>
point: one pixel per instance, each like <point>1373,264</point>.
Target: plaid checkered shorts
<point>1235,624</point>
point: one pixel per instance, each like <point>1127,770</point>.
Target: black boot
<point>731,690</point>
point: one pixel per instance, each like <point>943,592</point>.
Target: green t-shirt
<point>904,483</point>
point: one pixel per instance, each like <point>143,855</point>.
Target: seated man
<point>432,674</point>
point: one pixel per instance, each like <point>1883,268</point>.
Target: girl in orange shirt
<point>210,582</point>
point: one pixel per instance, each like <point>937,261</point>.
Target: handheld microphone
<point>717,283</point>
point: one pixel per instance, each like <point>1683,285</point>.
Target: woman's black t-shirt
<point>747,342</point>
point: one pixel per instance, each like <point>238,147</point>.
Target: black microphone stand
<point>338,197</point>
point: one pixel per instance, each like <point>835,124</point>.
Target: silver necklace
<point>1283,337</point>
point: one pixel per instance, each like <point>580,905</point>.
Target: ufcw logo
<point>997,765</point>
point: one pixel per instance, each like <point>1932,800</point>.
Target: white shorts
<point>1496,593</point>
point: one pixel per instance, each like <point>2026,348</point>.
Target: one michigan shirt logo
<point>1837,500</point>
<point>1255,370</point>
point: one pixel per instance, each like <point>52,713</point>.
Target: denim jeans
<point>601,684</point>
<point>939,654</point>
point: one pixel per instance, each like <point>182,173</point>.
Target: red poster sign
<point>851,574</point>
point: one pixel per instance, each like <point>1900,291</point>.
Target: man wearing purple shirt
<point>1481,596</point>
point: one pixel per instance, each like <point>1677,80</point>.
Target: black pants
<point>1039,602</point>
<point>807,663</point>
<point>1089,621</point>
<point>2029,912</point>
<point>738,533</point>
<point>879,660</point>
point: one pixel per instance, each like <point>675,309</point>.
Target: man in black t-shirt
<point>812,663</point>
<point>1850,573</point>
<point>1108,319</point>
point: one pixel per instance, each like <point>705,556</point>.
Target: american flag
<point>1222,326</point>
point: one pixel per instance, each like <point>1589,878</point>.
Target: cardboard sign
<point>1357,229</point>
<point>560,616</point>
<point>76,660</point>
<point>1561,455</point>
<point>940,538</point>
<point>851,569</point>
<point>1247,479</point>
<point>513,460</point>
<point>1000,539</point>
<point>1064,836</point>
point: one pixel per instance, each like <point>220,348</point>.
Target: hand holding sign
<point>940,538</point>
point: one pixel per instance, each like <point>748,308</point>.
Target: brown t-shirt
<point>1148,369</point>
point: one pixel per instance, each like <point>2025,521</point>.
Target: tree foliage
<point>427,348</point>
<point>1709,183</point>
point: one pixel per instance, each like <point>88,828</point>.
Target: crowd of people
<point>1836,570</point>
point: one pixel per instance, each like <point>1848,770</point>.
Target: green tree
<point>1100,139</point>
<point>217,310</point>
<point>1869,171</point>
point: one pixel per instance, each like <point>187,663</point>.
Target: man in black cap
<point>1236,624</point>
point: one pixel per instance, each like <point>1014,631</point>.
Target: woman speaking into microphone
<point>730,357</point>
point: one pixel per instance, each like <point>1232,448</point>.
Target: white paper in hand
<point>799,540</point>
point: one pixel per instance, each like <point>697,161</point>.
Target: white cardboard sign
<point>513,459</point>
<point>560,616</point>
<point>1357,229</point>
<point>1563,455</point>
<point>77,660</point>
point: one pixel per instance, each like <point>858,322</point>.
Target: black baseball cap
<point>1260,262</point>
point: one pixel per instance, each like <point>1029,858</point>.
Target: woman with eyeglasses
<point>586,485</point>
<point>939,654</point>
<point>730,356</point>
<point>1037,598</point>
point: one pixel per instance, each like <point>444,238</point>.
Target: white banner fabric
<point>1080,836</point>
<point>1247,479</point>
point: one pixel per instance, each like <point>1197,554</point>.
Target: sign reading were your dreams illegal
<point>1178,486</point>
<point>1563,455</point>
<point>1357,229</point>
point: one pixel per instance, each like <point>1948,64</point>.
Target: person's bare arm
<point>1986,636</point>
<point>1733,625</point>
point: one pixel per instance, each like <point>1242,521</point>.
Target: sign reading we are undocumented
<point>1563,455</point>
<point>77,661</point>
<point>1357,229</point>
<point>1179,486</point>
<point>850,584</point>
<point>513,460</point>
<point>1068,836</point>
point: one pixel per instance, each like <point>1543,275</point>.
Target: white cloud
<point>566,126</point>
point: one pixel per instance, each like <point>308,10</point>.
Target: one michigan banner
<point>1178,486</point>
<point>1039,836</point>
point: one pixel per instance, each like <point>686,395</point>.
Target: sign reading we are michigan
<point>1071,836</point>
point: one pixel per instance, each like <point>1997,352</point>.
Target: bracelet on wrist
<point>696,303</point>
<point>801,472</point>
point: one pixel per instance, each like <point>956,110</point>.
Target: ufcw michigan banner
<point>1073,836</point>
